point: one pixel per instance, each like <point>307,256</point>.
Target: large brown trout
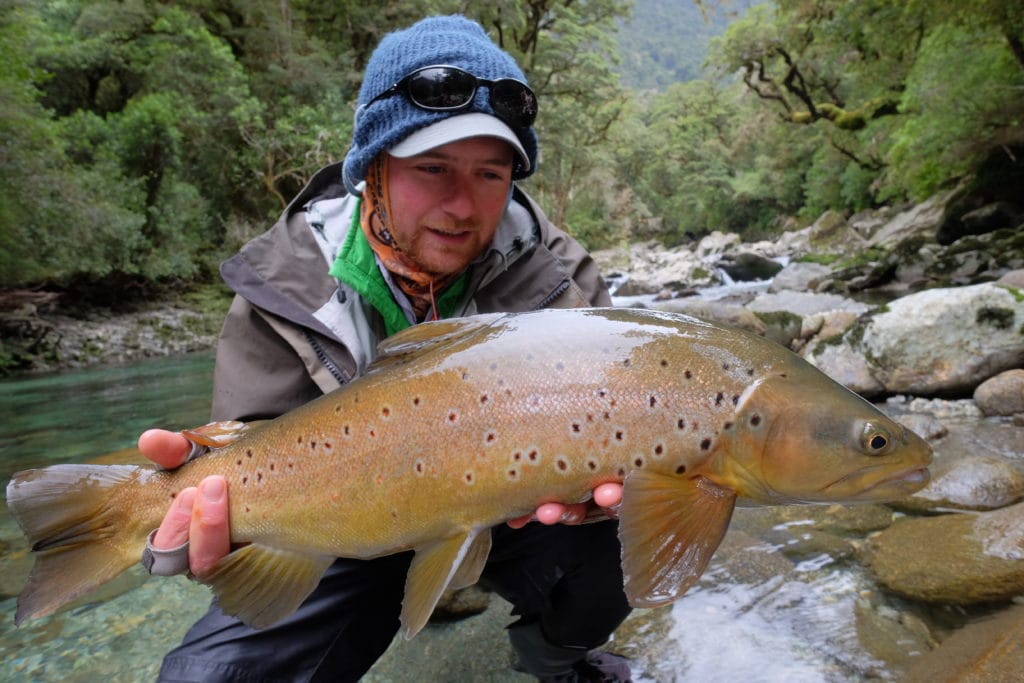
<point>463,424</point>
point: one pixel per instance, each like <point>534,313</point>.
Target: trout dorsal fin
<point>428,336</point>
<point>669,528</point>
<point>261,585</point>
<point>433,568</point>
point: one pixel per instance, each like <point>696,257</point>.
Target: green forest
<point>145,140</point>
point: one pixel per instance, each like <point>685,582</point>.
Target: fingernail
<point>213,489</point>
<point>186,498</point>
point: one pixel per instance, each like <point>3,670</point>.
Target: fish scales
<point>458,424</point>
<point>463,424</point>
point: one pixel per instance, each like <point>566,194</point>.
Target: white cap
<point>455,128</point>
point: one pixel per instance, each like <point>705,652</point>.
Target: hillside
<point>665,41</point>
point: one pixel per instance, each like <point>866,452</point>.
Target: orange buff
<point>419,286</point>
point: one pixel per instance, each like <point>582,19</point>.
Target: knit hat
<point>450,40</point>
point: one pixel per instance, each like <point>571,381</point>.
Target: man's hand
<point>606,497</point>
<point>197,515</point>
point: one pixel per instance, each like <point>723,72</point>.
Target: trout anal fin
<point>472,564</point>
<point>262,585</point>
<point>456,561</point>
<point>669,528</point>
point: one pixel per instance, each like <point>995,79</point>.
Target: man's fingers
<point>520,522</point>
<point>550,513</point>
<point>608,495</point>
<point>210,532</point>
<point>173,530</point>
<point>167,449</point>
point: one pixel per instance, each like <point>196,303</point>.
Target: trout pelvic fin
<point>669,528</point>
<point>261,585</point>
<point>434,567</point>
<point>79,538</point>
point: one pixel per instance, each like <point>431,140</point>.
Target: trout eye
<point>875,440</point>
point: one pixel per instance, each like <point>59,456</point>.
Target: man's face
<point>447,202</point>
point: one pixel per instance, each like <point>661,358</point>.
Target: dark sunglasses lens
<point>441,88</point>
<point>514,102</point>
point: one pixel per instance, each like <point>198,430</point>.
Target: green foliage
<point>963,95</point>
<point>665,41</point>
<point>148,139</point>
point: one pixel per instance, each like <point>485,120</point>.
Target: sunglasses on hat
<point>449,88</point>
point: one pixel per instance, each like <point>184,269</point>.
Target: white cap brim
<point>455,128</point>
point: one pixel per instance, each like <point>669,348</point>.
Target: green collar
<point>357,267</point>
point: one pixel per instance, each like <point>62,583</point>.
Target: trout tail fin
<point>80,536</point>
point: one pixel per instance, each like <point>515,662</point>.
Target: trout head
<point>802,438</point>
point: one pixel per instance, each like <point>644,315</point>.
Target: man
<point>421,221</point>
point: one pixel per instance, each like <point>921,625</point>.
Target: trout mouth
<point>902,482</point>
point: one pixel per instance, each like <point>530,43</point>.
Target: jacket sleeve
<point>581,266</point>
<point>257,374</point>
<point>586,279</point>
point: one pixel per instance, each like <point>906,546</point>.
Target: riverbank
<point>46,331</point>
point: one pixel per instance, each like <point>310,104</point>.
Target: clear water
<point>76,415</point>
<point>122,634</point>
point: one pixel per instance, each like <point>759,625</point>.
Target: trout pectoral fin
<point>433,568</point>
<point>261,585</point>
<point>216,434</point>
<point>473,563</point>
<point>669,528</point>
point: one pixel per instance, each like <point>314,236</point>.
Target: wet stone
<point>969,483</point>
<point>989,649</point>
<point>961,559</point>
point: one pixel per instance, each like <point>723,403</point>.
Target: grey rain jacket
<point>294,332</point>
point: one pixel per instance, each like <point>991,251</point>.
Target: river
<point>779,601</point>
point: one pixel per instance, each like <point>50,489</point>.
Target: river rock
<point>926,426</point>
<point>867,223</point>
<point>969,483</point>
<point>717,243</point>
<point>782,327</point>
<point>937,341</point>
<point>960,559</point>
<point>990,650</point>
<point>805,303</point>
<point>800,276</point>
<point>652,268</point>
<point>832,234</point>
<point>714,311</point>
<point>461,603</point>
<point>747,266</point>
<point>1012,278</point>
<point>894,636</point>
<point>1002,394</point>
<point>921,220</point>
<point>846,365</point>
<point>991,217</point>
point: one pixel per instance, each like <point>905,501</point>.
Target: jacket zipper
<point>327,361</point>
<point>555,293</point>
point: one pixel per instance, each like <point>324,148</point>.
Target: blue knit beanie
<point>452,40</point>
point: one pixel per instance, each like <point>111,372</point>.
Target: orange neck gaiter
<point>419,286</point>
